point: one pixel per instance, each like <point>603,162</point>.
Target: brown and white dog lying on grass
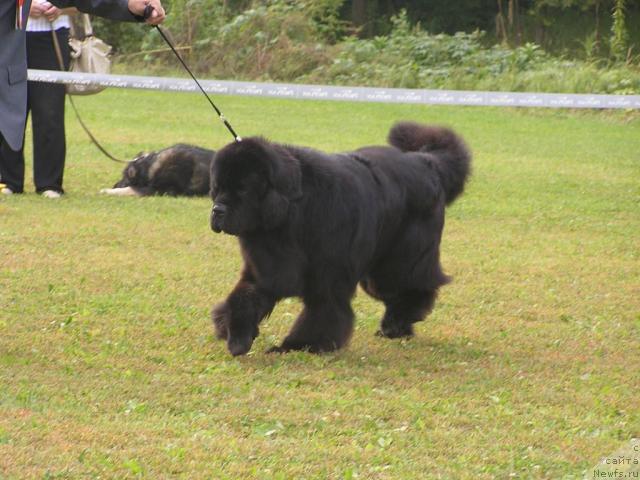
<point>177,170</point>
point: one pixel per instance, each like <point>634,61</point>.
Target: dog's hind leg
<point>323,326</point>
<point>407,277</point>
<point>403,310</point>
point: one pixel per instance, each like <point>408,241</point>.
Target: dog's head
<point>136,173</point>
<point>253,183</point>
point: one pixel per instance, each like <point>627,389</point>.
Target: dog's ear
<point>274,209</point>
<point>131,172</point>
<point>284,172</point>
<point>285,178</point>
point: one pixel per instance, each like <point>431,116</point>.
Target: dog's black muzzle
<point>217,217</point>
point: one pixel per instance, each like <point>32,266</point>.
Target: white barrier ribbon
<point>351,94</point>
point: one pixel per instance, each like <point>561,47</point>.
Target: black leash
<point>93,139</point>
<point>147,13</point>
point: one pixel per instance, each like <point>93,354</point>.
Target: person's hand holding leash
<point>157,16</point>
<point>52,13</point>
<point>38,9</point>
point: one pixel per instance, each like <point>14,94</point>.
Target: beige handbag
<point>89,55</point>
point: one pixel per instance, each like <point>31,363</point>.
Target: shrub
<point>410,57</point>
<point>275,41</point>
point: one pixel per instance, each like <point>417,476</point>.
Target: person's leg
<point>11,167</point>
<point>47,111</point>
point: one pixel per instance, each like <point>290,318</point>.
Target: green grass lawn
<point>528,367</point>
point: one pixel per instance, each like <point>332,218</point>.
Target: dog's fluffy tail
<point>450,156</point>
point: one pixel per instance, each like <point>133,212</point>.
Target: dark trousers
<point>45,101</point>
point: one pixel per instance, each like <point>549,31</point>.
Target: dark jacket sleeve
<point>113,9</point>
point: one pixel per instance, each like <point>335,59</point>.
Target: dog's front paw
<point>239,345</point>
<point>219,317</point>
<point>122,191</point>
<point>241,339</point>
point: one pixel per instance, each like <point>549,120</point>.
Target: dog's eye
<point>244,188</point>
<point>240,190</point>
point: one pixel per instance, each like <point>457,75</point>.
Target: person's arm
<point>123,10</point>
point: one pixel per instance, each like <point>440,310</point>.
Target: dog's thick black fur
<point>177,170</point>
<point>314,225</point>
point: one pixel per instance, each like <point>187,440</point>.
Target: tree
<point>509,28</point>
<point>619,33</point>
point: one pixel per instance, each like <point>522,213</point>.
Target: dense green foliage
<point>315,41</point>
<point>411,57</point>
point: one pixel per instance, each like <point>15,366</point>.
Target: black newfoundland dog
<point>314,225</point>
<point>178,170</point>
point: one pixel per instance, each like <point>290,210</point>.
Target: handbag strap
<point>88,29</point>
<point>56,47</point>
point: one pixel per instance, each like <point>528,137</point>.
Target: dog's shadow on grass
<point>424,353</point>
